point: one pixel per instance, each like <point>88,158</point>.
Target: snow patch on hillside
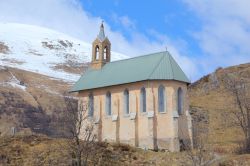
<point>40,50</point>
<point>14,82</point>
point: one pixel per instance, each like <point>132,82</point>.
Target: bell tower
<point>100,50</point>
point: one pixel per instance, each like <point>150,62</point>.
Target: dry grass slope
<point>40,150</point>
<point>209,94</point>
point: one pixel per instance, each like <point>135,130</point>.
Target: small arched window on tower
<point>97,56</point>
<point>126,101</point>
<point>161,98</point>
<point>143,100</point>
<point>108,104</point>
<point>105,53</point>
<point>180,101</point>
<point>91,105</point>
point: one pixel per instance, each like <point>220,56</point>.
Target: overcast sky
<point>200,34</point>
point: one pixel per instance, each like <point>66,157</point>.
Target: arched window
<point>108,103</point>
<point>161,98</point>
<point>91,105</point>
<point>143,100</point>
<point>97,53</point>
<point>180,101</point>
<point>105,53</point>
<point>126,102</point>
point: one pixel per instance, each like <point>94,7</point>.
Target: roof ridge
<point>140,56</point>
<point>157,65</point>
<point>169,57</point>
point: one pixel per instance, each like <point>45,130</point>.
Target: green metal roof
<point>156,66</point>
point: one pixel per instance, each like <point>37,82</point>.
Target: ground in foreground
<point>41,150</point>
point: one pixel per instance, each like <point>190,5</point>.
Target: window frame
<point>143,100</point>
<point>90,105</point>
<point>180,101</point>
<point>105,53</point>
<point>126,101</point>
<point>161,99</point>
<point>108,103</point>
<point>97,53</point>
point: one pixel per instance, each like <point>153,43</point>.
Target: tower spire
<point>100,50</point>
<point>101,36</point>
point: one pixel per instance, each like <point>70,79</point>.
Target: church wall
<point>184,121</point>
<point>143,133</point>
<point>166,131</point>
<point>168,134</point>
<point>127,123</point>
<point>166,125</point>
<point>153,130</point>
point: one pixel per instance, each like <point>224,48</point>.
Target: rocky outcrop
<point>4,49</point>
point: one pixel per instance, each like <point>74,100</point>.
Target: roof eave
<point>94,88</point>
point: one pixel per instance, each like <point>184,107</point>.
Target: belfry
<point>100,50</point>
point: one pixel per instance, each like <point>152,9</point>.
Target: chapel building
<point>141,101</point>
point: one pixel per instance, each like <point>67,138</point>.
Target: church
<point>141,101</point>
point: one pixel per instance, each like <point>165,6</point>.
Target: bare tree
<point>238,87</point>
<point>202,154</point>
<point>81,131</point>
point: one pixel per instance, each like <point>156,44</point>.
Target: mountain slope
<point>37,65</point>
<point>30,102</point>
<point>44,51</point>
<point>214,104</point>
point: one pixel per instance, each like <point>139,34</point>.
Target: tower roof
<point>101,36</point>
<point>156,66</point>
